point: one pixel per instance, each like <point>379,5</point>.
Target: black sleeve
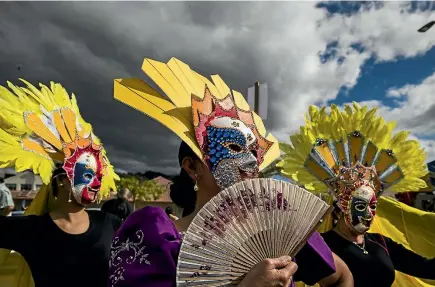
<point>311,266</point>
<point>409,262</point>
<point>129,209</point>
<point>14,232</point>
<point>115,220</point>
<point>105,206</point>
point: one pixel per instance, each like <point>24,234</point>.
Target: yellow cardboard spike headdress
<point>216,122</point>
<point>41,129</point>
<point>354,155</point>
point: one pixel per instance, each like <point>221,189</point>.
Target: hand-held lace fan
<point>243,225</point>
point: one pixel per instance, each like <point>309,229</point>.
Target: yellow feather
<point>16,102</point>
<point>336,126</point>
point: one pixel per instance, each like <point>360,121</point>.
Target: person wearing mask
<point>354,155</point>
<point>119,206</point>
<point>6,201</point>
<point>64,245</point>
<point>223,142</point>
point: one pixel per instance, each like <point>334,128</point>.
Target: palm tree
<point>146,190</point>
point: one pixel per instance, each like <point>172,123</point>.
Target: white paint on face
<point>89,161</point>
<point>364,192</point>
<point>227,122</point>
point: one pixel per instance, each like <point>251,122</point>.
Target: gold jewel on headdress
<point>355,138</point>
<point>192,97</point>
<point>40,128</point>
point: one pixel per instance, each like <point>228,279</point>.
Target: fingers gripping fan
<point>244,224</point>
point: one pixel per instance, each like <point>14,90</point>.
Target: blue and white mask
<point>231,151</point>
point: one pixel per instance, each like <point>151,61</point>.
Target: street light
<point>426,27</point>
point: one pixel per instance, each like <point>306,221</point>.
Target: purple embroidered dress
<point>145,250</point>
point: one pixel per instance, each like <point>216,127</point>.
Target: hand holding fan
<point>243,225</point>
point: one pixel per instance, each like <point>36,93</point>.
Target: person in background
<point>63,243</point>
<point>169,212</point>
<point>119,206</point>
<point>354,155</point>
<point>6,201</point>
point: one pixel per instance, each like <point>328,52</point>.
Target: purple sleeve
<point>315,261</point>
<point>144,251</point>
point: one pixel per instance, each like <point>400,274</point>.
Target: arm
<point>12,234</point>
<point>409,262</point>
<point>315,261</point>
<point>342,276</point>
<point>129,209</point>
<point>114,220</point>
<point>105,206</point>
<point>150,257</point>
<point>7,210</point>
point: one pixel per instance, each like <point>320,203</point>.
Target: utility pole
<point>258,99</point>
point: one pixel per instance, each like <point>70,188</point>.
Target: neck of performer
<point>202,198</point>
<point>347,233</point>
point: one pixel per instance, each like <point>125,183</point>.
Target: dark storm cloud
<point>85,46</point>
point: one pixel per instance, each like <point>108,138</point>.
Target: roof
<point>165,197</point>
<point>25,177</point>
<point>24,194</point>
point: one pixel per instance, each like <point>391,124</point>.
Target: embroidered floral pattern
<point>133,251</point>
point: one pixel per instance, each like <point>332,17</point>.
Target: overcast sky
<point>307,53</point>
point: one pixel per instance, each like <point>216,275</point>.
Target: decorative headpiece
<point>214,121</point>
<point>353,154</point>
<point>43,129</point>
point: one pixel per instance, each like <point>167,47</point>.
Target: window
<point>26,187</point>
<point>37,186</point>
<point>11,186</point>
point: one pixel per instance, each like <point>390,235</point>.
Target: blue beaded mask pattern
<point>225,144</point>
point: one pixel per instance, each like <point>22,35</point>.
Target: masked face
<point>86,182</point>
<point>231,151</point>
<point>361,209</point>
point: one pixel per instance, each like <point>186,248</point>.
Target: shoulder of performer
<point>315,261</point>
<point>151,219</point>
<point>145,249</point>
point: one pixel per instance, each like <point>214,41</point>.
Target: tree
<point>146,190</point>
<point>271,170</point>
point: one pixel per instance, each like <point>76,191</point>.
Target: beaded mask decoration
<point>353,155</point>
<point>229,145</point>
<point>216,122</point>
<point>41,129</point>
<point>85,167</point>
<point>356,189</point>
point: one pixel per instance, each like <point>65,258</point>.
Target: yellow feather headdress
<point>192,98</point>
<point>356,136</point>
<point>40,128</point>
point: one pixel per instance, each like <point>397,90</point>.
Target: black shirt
<point>119,207</point>
<point>312,267</point>
<point>376,269</point>
<point>57,258</point>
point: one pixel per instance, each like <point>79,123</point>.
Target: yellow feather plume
<point>336,127</point>
<point>181,84</point>
<point>28,135</point>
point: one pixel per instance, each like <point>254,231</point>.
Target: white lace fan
<point>244,224</point>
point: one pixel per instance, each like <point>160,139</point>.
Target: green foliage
<point>271,170</point>
<point>146,190</point>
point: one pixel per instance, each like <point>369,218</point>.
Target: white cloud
<point>415,111</point>
<point>284,41</point>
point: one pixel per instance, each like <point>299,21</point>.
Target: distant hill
<point>152,175</point>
